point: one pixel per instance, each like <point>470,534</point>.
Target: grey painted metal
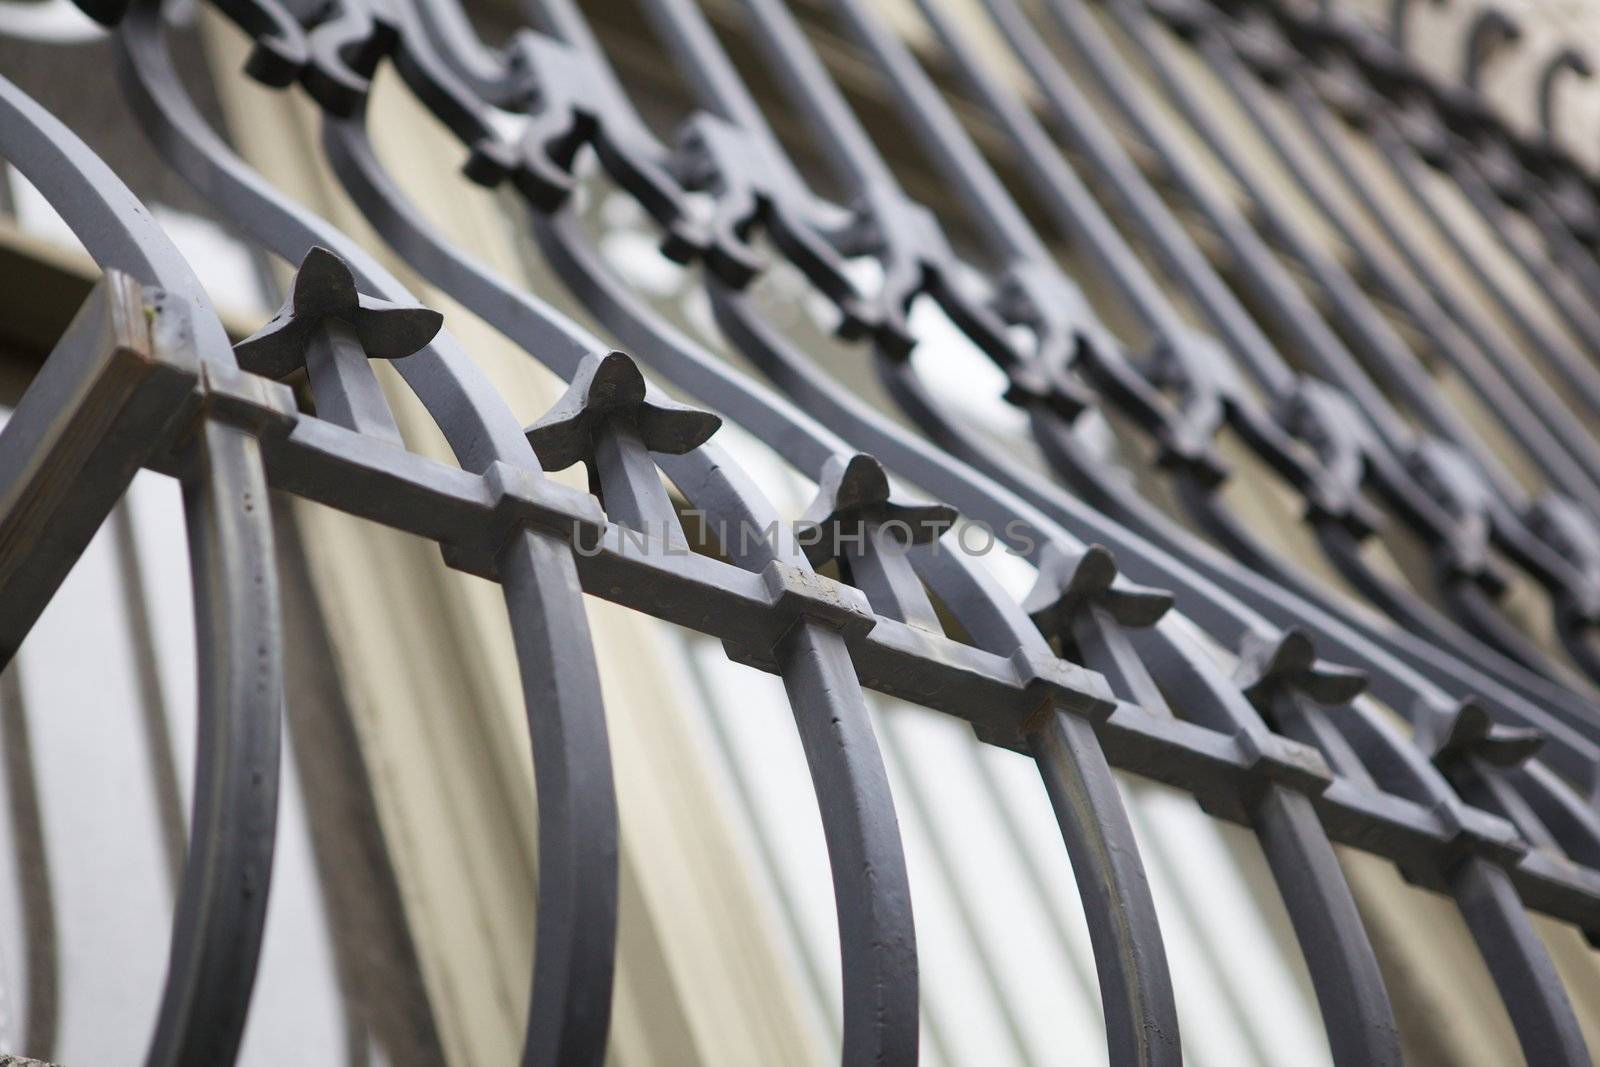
<point>576,910</point>
<point>221,903</point>
<point>1491,800</point>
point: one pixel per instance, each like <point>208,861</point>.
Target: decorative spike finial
<point>1453,736</point>
<point>330,329</point>
<point>1072,582</point>
<point>324,292</point>
<point>1289,661</point>
<point>610,387</point>
<point>854,495</point>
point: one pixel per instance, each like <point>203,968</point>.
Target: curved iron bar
<point>561,80</point>
<point>871,889</point>
<point>1535,1032</point>
<point>1578,768</point>
<point>1202,31</point>
<point>222,899</point>
<point>1521,967</point>
<point>1567,60</point>
<point>871,892</point>
<point>1093,824</point>
<point>1583,715</point>
<point>1543,1019</point>
<point>1355,1006</point>
<point>838,409</point>
<point>1392,357</point>
<point>746,325</point>
<point>1271,766</point>
<point>575,926</point>
<point>1454,132</point>
<point>1334,502</point>
<point>1491,32</point>
<point>1356,104</point>
<point>1439,504</point>
<point>1250,48</point>
<point>1127,962</point>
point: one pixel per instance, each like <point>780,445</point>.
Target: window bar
<point>1567,462</point>
<point>221,904</point>
<point>1459,350</point>
<point>1356,104</point>
<point>788,368</point>
<point>1406,134</point>
<point>1129,967</point>
<point>497,516</point>
<point>576,910</point>
<point>1525,1013</point>
<point>1540,517</point>
<point>1096,664</point>
<point>1191,756</point>
<point>1377,340</point>
<point>873,902</point>
<point>1432,477</point>
<point>1272,605</point>
<point>1334,502</point>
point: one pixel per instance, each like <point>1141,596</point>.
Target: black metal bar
<point>221,904</point>
<point>1084,675</point>
<point>576,909</point>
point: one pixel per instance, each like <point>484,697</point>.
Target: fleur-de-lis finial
<point>1467,733</point>
<point>608,387</point>
<point>853,497</point>
<point>330,329</point>
<point>1070,583</point>
<point>1289,662</point>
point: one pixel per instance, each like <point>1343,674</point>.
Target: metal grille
<point>1488,797</point>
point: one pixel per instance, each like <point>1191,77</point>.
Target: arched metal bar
<point>1482,861</point>
<point>1535,416</point>
<point>948,40</point>
<point>222,900</point>
<point>1475,607</point>
<point>1522,970</point>
<point>1331,508</point>
<point>1384,349</point>
<point>575,926</point>
<point>677,356</point>
<point>1290,309</point>
<point>1492,31</point>
<point>1568,60</point>
<point>871,891</point>
<point>949,148</point>
<point>1060,189</point>
<point>1359,1021</point>
<point>1457,134</point>
<point>1255,592</point>
<point>1141,1018</point>
<point>748,328</point>
<point>1301,93</point>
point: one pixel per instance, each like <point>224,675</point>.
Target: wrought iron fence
<point>1486,793</point>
